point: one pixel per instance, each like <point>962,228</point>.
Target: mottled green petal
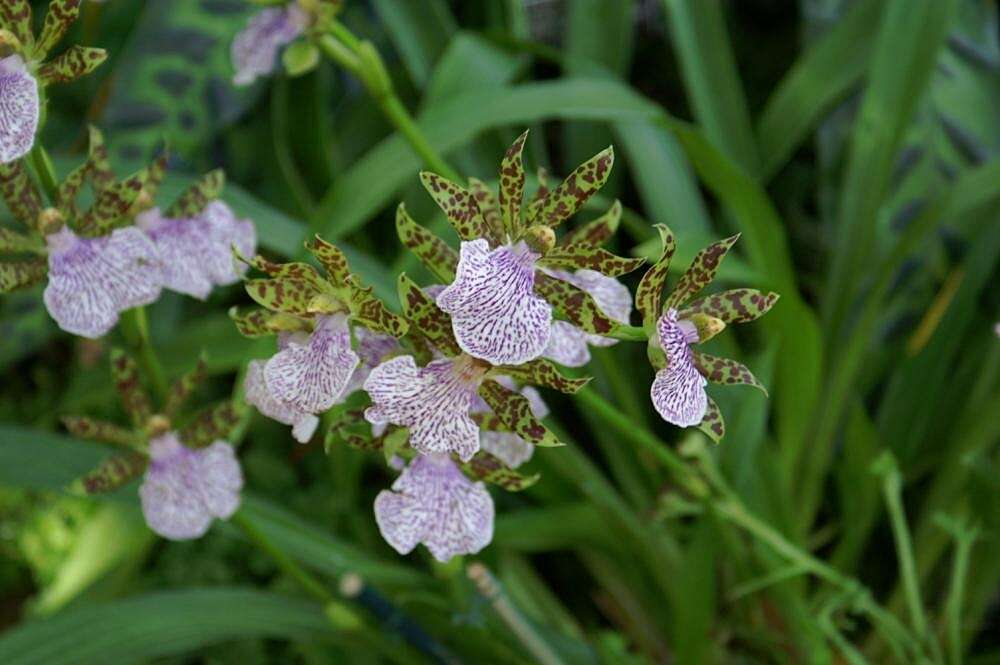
<point>215,423</point>
<point>20,274</point>
<point>458,205</point>
<point>198,195</point>
<point>578,306</point>
<point>700,273</point>
<point>489,469</point>
<point>713,424</point>
<point>648,293</point>
<point>13,242</point>
<point>543,372</point>
<point>58,19</point>
<point>19,193</point>
<point>371,312</point>
<point>334,262</point>
<point>99,166</point>
<point>514,411</point>
<point>425,317</point>
<point>114,472</point>
<point>76,62</point>
<point>578,257</point>
<point>134,398</point>
<point>433,252</point>
<point>569,196</point>
<point>733,306</point>
<point>726,371</point>
<point>182,388</point>
<point>544,186</point>
<point>284,294</point>
<point>512,186</point>
<point>100,430</point>
<point>15,15</point>
<point>252,322</point>
<point>116,201</point>
<point>350,427</point>
<point>489,208</point>
<point>597,232</point>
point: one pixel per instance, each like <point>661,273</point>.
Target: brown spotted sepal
<point>571,194</point>
<point>544,373</point>
<point>514,410</point>
<point>436,255</point>
<point>216,422</point>
<point>425,317</point>
<point>489,469</point>
<point>72,63</point>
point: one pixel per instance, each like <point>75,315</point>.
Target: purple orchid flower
<point>19,109</point>
<point>678,391</point>
<point>254,51</point>
<point>255,390</point>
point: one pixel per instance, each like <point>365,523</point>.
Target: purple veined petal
<point>255,392</point>
<point>313,376</point>
<point>567,345</point>
<point>254,51</point>
<point>507,447</point>
<point>226,229</point>
<point>495,313</point>
<point>18,109</point>
<point>181,245</point>
<point>535,401</point>
<point>432,502</point>
<point>372,348</point>
<point>183,490</point>
<point>92,280</point>
<point>678,391</point>
<point>433,401</point>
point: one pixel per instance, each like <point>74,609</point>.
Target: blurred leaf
<point>419,31</point>
<point>36,459</point>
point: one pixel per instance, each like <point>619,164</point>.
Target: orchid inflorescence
<point>445,387</point>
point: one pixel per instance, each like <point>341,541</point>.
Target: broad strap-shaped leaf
<point>511,186</point>
<point>98,164</point>
<point>425,317</point>
<point>68,66</point>
<point>700,273</point>
<point>649,292</point>
<point>578,257</point>
<point>726,371</point>
<point>13,242</point>
<point>21,274</point>
<point>544,373</point>
<point>15,15</point>
<point>458,204</point>
<point>514,411</point>
<point>597,232</point>
<point>285,294</point>
<point>569,196</point>
<point>491,470</point>
<point>182,388</point>
<point>215,423</point>
<point>114,472</point>
<point>201,192</point>
<point>578,306</point>
<point>368,310</point>
<point>338,272</point>
<point>19,193</point>
<point>252,322</point>
<point>433,252</point>
<point>117,200</point>
<point>134,398</point>
<point>489,208</point>
<point>734,305</point>
<point>100,430</point>
<point>713,425</point>
<point>58,19</point>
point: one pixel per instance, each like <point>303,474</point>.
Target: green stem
<point>135,329</point>
<point>956,595</point>
<point>630,334</point>
<point>45,171</point>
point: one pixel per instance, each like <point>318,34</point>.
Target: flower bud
<point>540,238</point>
<point>708,326</point>
<point>158,425</point>
<point>50,220</point>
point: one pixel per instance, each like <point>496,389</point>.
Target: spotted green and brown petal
<point>78,61</point>
<point>12,242</point>
<point>514,411</point>
<point>60,15</point>
<point>284,294</point>
<point>733,306</point>
<point>296,270</point>
<point>649,292</point>
<point>19,193</point>
<point>15,15</point>
<point>332,259</point>
<point>433,252</point>
<point>569,196</point>
<point>597,232</point>
<point>217,422</point>
<point>700,273</point>
<point>69,188</point>
<point>511,186</point>
<point>117,200</point>
<point>544,373</point>
<point>458,204</point>
<point>726,371</point>
<point>713,424</point>
<point>21,274</point>
<point>182,388</point>
<point>251,322</point>
<point>135,400</point>
<point>100,430</point>
<point>578,306</point>
<point>114,472</point>
<point>425,317</point>
<point>199,194</point>
<point>544,186</point>
<point>587,257</point>
<point>98,164</point>
<point>491,470</point>
<point>489,208</point>
<point>371,312</point>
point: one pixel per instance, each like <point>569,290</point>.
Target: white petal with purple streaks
<point>181,245</point>
<point>432,502</point>
<point>678,391</point>
<point>225,229</point>
<point>432,401</point>
<point>495,313</point>
<point>372,348</point>
<point>184,489</point>
<point>92,280</point>
<point>568,345</point>
<point>312,376</point>
<point>254,51</point>
<point>256,393</point>
<point>18,109</point>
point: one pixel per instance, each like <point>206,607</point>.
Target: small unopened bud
<point>708,326</point>
<point>284,322</point>
<point>540,238</point>
<point>143,202</point>
<point>158,425</point>
<point>50,220</point>
<point>324,304</point>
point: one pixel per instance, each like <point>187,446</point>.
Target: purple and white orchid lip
<point>495,313</point>
<point>254,51</point>
<point>508,447</point>
<point>432,502</point>
<point>372,347</point>
<point>225,230</point>
<point>255,390</point>
<point>19,109</point>
<point>678,391</point>
<point>312,376</point>
<point>93,280</point>
<point>432,401</point>
<point>184,489</point>
<point>568,345</point>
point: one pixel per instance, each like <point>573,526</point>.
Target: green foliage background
<point>853,144</point>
